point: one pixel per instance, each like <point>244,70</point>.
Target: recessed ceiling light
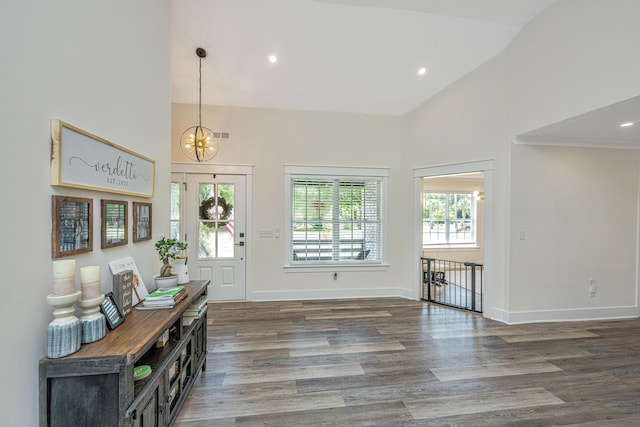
<point>273,59</point>
<point>626,125</point>
<point>422,71</point>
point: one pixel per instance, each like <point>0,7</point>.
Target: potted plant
<point>168,249</point>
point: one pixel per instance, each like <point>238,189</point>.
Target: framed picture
<point>114,223</point>
<point>111,311</point>
<point>141,221</point>
<point>82,160</point>
<point>72,223</point>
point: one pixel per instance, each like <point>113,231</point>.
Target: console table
<point>95,386</point>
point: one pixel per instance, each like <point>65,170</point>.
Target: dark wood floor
<point>396,362</point>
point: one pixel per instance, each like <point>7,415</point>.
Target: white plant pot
<point>180,268</point>
<point>166,282</point>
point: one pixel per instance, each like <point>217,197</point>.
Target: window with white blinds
<point>335,220</point>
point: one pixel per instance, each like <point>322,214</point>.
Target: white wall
<point>271,139</point>
<point>575,57</point>
<point>578,210</point>
<point>104,67</point>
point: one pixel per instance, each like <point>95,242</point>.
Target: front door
<point>215,230</point>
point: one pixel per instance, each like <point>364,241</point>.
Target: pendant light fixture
<point>197,142</point>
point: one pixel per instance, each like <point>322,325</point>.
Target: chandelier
<point>197,142</point>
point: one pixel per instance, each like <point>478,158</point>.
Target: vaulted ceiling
<point>359,56</point>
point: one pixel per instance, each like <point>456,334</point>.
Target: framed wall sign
<point>82,160</point>
<point>114,223</point>
<point>123,290</point>
<point>141,221</point>
<point>72,223</point>
<point>140,291</point>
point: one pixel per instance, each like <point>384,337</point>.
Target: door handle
<point>239,244</point>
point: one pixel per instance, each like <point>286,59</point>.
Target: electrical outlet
<point>593,287</point>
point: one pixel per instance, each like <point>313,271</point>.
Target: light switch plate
<point>265,234</point>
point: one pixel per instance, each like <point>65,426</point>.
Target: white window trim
<point>339,172</point>
<point>451,248</point>
<point>474,219</point>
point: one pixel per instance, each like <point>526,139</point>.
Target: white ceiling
<point>357,56</point>
<point>598,128</point>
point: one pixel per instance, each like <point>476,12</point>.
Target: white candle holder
<point>93,323</point>
<point>64,331</point>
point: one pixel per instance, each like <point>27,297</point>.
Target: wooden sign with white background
<point>82,160</point>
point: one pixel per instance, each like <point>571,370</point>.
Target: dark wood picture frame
<point>142,224</point>
<point>115,223</point>
<point>72,226</point>
<point>111,311</point>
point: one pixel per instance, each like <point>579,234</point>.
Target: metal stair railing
<point>453,283</point>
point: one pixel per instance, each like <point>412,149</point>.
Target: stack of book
<point>164,298</point>
<point>196,310</point>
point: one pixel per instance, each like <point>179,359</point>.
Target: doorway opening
<point>452,240</point>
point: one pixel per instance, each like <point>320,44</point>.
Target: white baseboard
<point>566,315</point>
<point>293,295</point>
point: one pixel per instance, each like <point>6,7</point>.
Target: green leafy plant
<point>168,249</point>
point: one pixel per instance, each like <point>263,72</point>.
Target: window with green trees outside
<point>335,220</point>
<point>448,219</point>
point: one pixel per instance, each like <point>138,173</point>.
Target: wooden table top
<point>140,329</point>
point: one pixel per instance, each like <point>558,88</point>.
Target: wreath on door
<point>208,205</point>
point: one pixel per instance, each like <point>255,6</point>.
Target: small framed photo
<point>114,223</point>
<point>111,311</point>
<point>141,221</point>
<point>72,223</point>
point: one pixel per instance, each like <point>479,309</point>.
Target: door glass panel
<point>215,217</point>
<point>175,210</point>
<point>225,240</point>
<point>207,201</point>
<point>207,236</point>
